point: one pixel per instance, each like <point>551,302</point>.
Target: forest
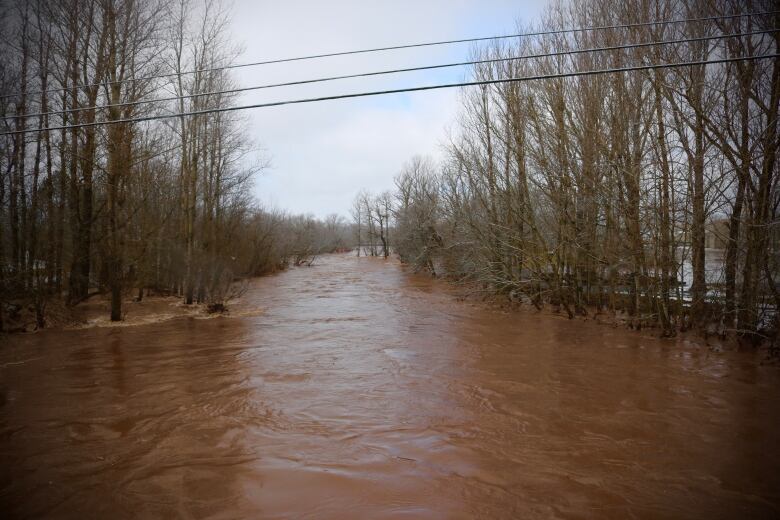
<point>653,193</point>
<point>161,206</point>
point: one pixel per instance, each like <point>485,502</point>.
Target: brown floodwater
<point>364,391</point>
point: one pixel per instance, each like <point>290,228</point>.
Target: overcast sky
<point>322,154</point>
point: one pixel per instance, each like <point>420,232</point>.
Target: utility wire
<point>406,46</point>
<point>398,91</point>
<point>391,71</point>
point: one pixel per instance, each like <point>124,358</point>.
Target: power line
<point>391,71</point>
<point>398,91</point>
<point>405,46</point>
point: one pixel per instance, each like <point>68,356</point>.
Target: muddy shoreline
<point>160,308</point>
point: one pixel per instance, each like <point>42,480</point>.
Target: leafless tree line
<point>598,193</point>
<point>160,206</point>
<point>310,237</point>
<point>371,215</point>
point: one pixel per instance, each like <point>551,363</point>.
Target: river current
<point>364,391</point>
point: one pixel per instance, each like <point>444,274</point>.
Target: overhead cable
<point>385,72</point>
<point>398,91</point>
<point>405,46</point>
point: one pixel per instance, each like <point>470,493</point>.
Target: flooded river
<point>365,392</point>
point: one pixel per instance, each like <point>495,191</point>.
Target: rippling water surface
<point>364,391</point>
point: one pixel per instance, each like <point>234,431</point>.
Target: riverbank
<point>713,338</point>
<point>95,312</point>
<point>708,337</point>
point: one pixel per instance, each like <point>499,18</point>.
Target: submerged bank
<point>364,390</point>
<point>158,308</point>
<point>95,312</point>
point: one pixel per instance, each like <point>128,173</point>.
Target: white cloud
<point>323,153</point>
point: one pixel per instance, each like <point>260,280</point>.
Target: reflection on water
<point>364,391</point>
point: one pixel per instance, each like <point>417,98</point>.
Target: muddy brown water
<point>364,391</point>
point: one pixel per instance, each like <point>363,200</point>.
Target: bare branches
<point>642,193</point>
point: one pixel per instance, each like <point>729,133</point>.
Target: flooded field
<point>363,391</point>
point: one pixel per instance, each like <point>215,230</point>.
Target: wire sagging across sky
<point>391,71</point>
<point>405,46</point>
<point>398,91</point>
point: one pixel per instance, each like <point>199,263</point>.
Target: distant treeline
<point>598,192</point>
<point>161,205</point>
